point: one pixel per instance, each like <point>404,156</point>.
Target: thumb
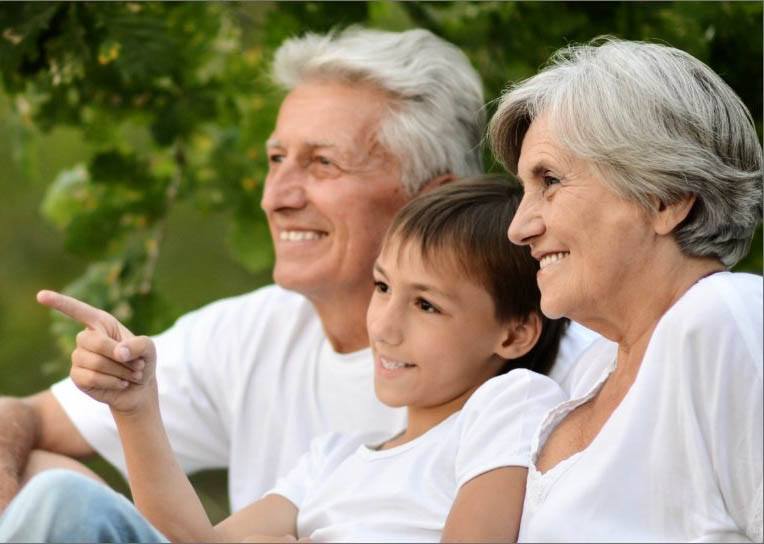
<point>137,347</point>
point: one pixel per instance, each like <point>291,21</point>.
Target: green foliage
<point>173,103</point>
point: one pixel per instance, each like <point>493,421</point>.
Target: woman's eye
<point>426,306</point>
<point>550,180</point>
<point>381,287</point>
<point>275,157</point>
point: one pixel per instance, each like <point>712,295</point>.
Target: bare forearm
<point>19,434</point>
<point>160,488</point>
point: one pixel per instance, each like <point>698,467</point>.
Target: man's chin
<point>302,283</point>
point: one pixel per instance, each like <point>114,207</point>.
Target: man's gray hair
<point>658,125</point>
<point>436,117</point>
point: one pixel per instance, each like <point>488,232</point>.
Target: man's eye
<point>323,161</point>
<point>426,306</point>
<point>275,157</point>
<point>381,287</point>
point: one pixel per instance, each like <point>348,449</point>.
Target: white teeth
<point>392,365</point>
<point>300,235</point>
<point>552,258</point>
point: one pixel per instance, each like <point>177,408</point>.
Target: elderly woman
<point>642,177</point>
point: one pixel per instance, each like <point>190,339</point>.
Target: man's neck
<point>343,317</point>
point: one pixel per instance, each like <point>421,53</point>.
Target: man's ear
<point>519,337</point>
<point>667,216</point>
<point>437,181</point>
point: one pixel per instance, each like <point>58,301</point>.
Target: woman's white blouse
<point>680,459</point>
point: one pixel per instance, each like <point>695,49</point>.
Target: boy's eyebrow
<point>378,268</point>
<point>431,289</point>
<point>418,286</point>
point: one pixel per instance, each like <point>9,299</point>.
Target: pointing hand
<point>109,363</point>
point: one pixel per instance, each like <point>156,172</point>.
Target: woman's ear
<point>668,216</point>
<point>519,337</point>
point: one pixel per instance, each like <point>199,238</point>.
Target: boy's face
<point>433,331</point>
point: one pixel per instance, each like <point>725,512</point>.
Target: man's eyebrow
<point>274,142</point>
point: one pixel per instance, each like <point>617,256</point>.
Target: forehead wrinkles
<point>541,149</point>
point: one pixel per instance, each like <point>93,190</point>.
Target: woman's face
<point>590,242</point>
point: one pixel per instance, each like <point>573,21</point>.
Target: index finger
<point>70,306</point>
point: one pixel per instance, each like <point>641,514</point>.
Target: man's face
<point>331,189</point>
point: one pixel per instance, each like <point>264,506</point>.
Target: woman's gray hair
<point>436,117</point>
<point>658,125</point>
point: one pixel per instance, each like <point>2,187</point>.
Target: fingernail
<point>123,384</point>
<point>123,354</point>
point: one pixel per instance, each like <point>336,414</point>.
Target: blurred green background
<point>131,142</point>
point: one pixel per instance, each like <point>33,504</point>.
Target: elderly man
<point>370,120</point>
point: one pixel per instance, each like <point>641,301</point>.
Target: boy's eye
<point>426,306</point>
<point>381,287</point>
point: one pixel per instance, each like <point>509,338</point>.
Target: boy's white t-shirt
<point>247,382</point>
<point>347,491</point>
<point>680,459</point>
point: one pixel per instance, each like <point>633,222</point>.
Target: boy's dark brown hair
<point>465,224</point>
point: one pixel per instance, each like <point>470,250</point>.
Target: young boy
<point>454,305</point>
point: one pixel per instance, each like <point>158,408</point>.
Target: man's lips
<point>300,235</point>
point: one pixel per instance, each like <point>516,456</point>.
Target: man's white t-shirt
<point>348,491</point>
<point>680,459</point>
<point>246,383</point>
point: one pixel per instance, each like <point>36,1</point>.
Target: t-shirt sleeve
<point>309,470</point>
<point>499,421</point>
<point>196,384</point>
<point>731,363</point>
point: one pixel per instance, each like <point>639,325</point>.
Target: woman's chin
<point>551,307</point>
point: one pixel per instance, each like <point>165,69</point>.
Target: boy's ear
<point>519,337</point>
<point>437,181</point>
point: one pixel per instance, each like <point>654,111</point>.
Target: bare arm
<point>27,426</point>
<point>164,495</point>
<point>488,508</point>
<point>19,431</point>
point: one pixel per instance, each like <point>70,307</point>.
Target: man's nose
<point>284,187</point>
<point>527,223</point>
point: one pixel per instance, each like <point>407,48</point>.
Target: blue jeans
<point>63,506</point>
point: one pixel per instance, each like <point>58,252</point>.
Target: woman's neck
<point>637,322</point>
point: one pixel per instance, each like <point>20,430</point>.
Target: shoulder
<point>516,392</point>
<point>497,424</point>
<point>733,294</point>
<point>720,312</point>
<point>271,299</point>
<point>244,311</point>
